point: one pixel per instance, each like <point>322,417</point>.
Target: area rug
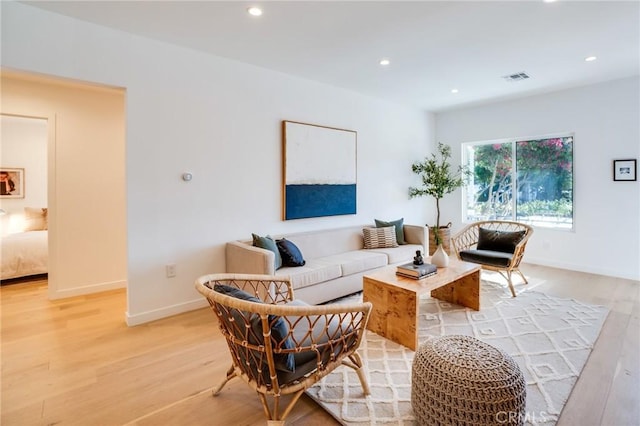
<point>550,338</point>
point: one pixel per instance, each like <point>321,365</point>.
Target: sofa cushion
<point>353,262</point>
<point>397,224</point>
<point>503,241</point>
<point>486,257</point>
<point>269,244</point>
<point>290,253</point>
<point>379,237</point>
<point>279,328</point>
<point>401,254</point>
<point>313,272</point>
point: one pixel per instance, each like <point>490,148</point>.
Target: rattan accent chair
<point>281,346</point>
<point>501,251</point>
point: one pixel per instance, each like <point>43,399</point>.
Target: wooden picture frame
<point>11,182</point>
<point>319,170</point>
<point>625,170</point>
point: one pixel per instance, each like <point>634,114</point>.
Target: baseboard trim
<point>87,289</point>
<point>167,311</point>
<point>599,270</point>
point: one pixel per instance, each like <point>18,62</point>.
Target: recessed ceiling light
<point>590,58</point>
<point>255,11</point>
<point>549,1</point>
<point>454,91</point>
<point>384,62</point>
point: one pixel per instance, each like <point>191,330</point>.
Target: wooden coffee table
<point>395,299</point>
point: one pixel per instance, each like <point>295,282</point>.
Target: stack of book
<point>416,272</point>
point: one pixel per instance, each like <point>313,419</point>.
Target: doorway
<point>86,186</point>
<point>23,197</point>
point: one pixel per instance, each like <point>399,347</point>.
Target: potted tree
<point>438,179</point>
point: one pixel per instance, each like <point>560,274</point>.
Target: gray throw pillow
<point>397,224</point>
<point>268,243</point>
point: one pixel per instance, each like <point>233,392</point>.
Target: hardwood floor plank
<point>623,404</point>
<point>592,388</point>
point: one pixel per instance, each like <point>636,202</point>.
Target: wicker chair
<point>278,345</point>
<point>505,258</point>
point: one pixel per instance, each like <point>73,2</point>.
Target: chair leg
<point>522,275</point>
<point>231,373</point>
<point>363,381</point>
<point>356,364</point>
<point>279,419</point>
<point>506,274</point>
<point>513,291</point>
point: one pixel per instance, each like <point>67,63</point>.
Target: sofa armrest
<point>247,259</point>
<point>416,234</point>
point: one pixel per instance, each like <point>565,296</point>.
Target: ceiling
<point>433,46</point>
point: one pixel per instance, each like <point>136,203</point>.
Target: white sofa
<point>335,260</point>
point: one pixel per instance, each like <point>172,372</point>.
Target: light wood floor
<point>75,362</point>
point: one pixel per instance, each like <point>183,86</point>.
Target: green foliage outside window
<point>539,191</point>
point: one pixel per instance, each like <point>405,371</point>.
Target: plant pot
<point>440,258</point>
<point>445,237</point>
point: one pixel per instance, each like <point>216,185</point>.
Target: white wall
<point>219,120</point>
<point>24,145</point>
<point>606,121</point>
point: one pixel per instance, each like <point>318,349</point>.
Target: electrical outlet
<point>171,270</point>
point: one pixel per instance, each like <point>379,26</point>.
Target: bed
<point>24,254</point>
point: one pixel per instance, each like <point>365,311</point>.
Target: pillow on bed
<point>35,219</point>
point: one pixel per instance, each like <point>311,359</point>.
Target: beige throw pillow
<point>35,219</point>
<point>380,237</point>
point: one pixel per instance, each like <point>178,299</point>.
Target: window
<point>527,180</point>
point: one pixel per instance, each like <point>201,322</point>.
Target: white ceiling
<point>434,46</point>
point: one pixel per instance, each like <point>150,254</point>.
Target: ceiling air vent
<point>519,76</point>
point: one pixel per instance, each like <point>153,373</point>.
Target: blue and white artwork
<point>319,171</point>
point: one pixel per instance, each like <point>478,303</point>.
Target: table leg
<point>394,314</point>
<point>464,291</point>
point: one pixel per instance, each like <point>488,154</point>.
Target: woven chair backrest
<point>497,225</point>
<point>317,337</point>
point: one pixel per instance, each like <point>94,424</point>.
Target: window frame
<point>512,141</point>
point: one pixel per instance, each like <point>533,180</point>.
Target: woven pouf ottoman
<point>459,380</point>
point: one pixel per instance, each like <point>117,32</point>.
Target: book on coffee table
<point>416,271</point>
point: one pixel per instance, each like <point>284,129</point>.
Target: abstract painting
<point>319,170</point>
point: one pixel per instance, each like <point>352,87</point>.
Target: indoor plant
<point>438,179</point>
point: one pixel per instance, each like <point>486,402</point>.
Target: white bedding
<point>23,254</point>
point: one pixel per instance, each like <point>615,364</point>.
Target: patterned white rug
<point>550,339</point>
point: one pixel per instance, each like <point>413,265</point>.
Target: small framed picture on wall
<point>624,170</point>
<point>11,182</point>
